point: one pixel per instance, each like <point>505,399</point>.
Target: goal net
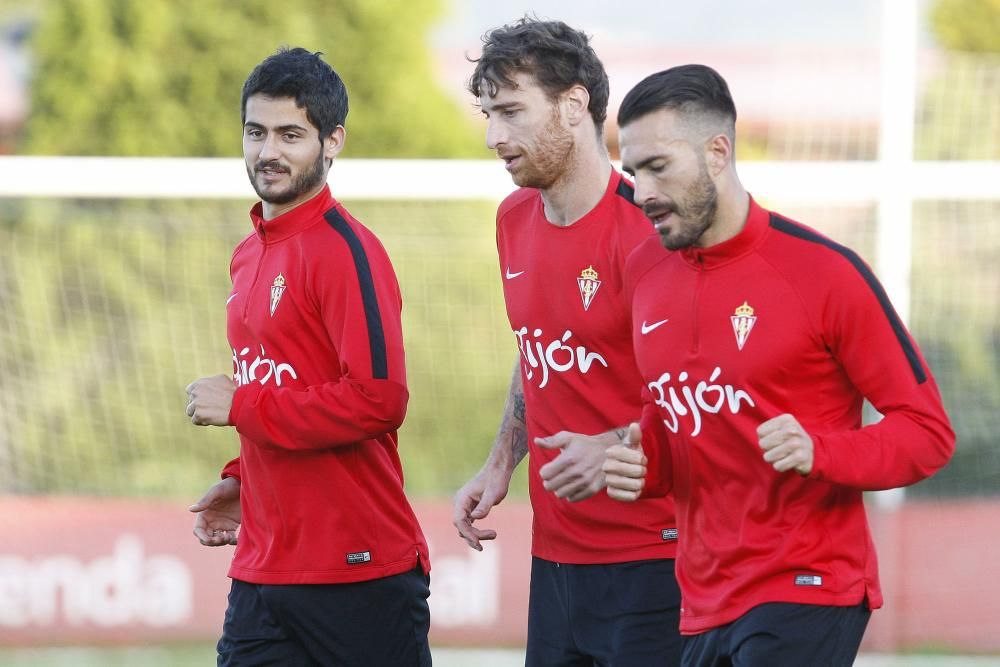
<point>114,291</point>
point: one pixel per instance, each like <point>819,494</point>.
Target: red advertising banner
<point>85,570</point>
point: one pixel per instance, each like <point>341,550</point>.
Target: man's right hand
<point>218,514</point>
<point>625,467</point>
<point>475,500</point>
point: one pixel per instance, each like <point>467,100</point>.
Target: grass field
<point>192,655</point>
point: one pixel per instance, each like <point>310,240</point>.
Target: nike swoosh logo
<point>510,275</point>
<point>647,328</point>
<point>231,297</point>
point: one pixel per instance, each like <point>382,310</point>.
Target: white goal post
<point>843,182</point>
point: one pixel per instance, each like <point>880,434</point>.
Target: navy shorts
<point>781,633</point>
<point>370,623</point>
<point>616,615</point>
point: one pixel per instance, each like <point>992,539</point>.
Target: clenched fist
<point>210,399</point>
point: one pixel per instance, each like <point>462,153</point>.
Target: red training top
<point>778,319</point>
<point>563,289</point>
<point>314,325</point>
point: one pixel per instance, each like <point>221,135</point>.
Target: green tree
<point>967,25</point>
<point>163,77</point>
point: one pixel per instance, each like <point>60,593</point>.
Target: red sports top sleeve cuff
<point>659,476</point>
<point>243,396</point>
<point>232,469</point>
<point>821,457</point>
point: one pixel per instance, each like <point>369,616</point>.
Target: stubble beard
<point>300,184</point>
<point>549,158</point>
<point>696,213</point>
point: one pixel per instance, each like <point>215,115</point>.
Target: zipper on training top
<point>696,301</point>
<point>256,275</point>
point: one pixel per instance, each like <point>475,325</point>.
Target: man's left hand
<point>210,399</point>
<point>577,473</point>
<point>786,444</point>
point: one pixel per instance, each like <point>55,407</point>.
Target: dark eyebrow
<point>280,128</point>
<point>504,106</point>
<point>647,162</point>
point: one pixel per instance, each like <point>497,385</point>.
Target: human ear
<point>718,153</point>
<point>334,143</point>
<point>575,102</point>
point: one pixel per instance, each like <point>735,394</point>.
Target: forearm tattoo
<point>518,443</point>
<point>519,407</point>
<point>518,429</point>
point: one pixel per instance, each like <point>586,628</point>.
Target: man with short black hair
<point>330,566</point>
<point>773,336</point>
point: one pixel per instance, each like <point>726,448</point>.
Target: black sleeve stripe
<point>376,335</point>
<point>626,190</point>
<point>909,350</point>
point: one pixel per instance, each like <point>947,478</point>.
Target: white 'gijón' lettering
<point>262,369</point>
<point>685,398</point>
<point>555,356</point>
